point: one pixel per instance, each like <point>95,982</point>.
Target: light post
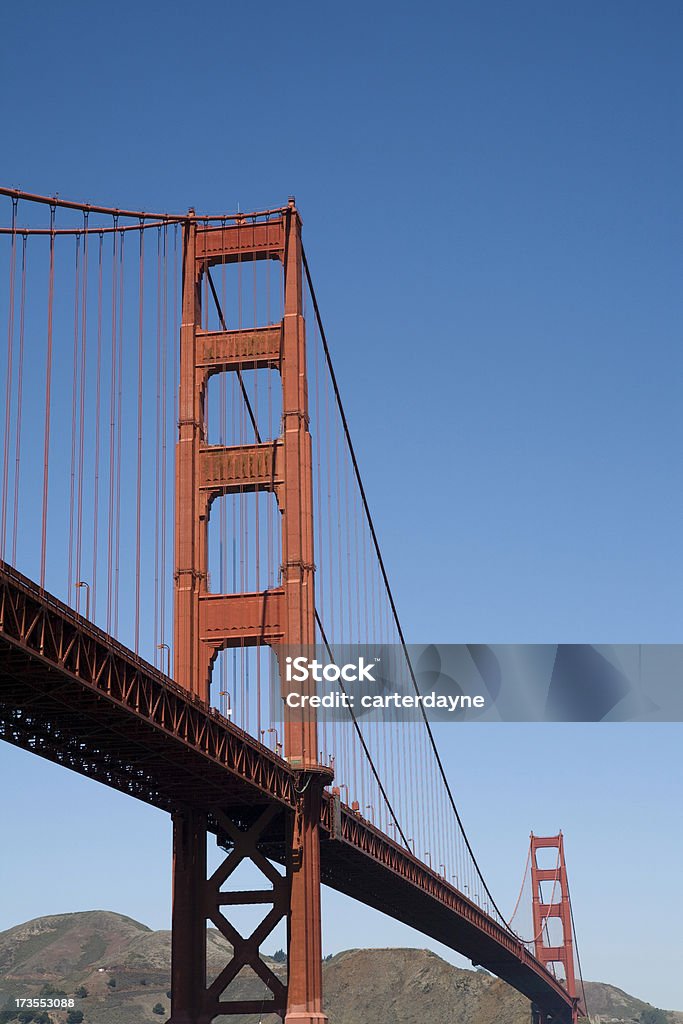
<point>165,647</point>
<point>278,745</point>
<point>78,586</point>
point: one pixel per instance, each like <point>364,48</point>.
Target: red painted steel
<point>55,201</point>
<point>556,908</point>
<point>72,694</point>
<point>207,623</point>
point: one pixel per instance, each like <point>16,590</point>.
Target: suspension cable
<point>521,889</point>
<point>362,741</point>
<point>385,577</point>
<point>20,393</point>
<point>576,944</point>
<point>55,201</point>
<point>8,382</point>
<point>48,399</point>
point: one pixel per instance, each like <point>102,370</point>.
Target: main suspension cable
<point>168,218</point>
<point>362,741</point>
<point>385,577</point>
<point>576,943</point>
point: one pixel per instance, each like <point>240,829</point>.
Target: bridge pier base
<point>305,978</point>
<point>198,899</point>
<point>188,928</point>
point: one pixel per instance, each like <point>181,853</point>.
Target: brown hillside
<point>125,968</point>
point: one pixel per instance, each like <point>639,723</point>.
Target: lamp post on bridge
<point>165,647</point>
<point>79,586</point>
<point>278,745</point>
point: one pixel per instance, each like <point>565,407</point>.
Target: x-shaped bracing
<point>246,949</point>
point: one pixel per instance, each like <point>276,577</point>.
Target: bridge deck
<point>72,694</point>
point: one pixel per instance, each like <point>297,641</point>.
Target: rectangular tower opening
<point>249,293</point>
<point>243,408</point>
<point>241,690</point>
<point>244,543</point>
<point>550,891</point>
<point>553,933</point>
<point>547,858</point>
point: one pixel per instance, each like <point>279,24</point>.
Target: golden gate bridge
<point>180,498</point>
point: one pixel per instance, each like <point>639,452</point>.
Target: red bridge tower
<point>550,901</point>
<point>206,623</point>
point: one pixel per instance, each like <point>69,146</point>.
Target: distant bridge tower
<point>206,623</point>
<point>550,902</point>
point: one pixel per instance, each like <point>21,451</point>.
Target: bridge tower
<point>550,901</point>
<point>205,623</point>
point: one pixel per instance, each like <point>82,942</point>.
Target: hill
<point>123,966</point>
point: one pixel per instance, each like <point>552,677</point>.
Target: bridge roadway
<point>72,694</point>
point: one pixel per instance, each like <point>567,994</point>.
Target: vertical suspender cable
<point>257,523</point>
<point>81,438</point>
<point>164,428</point>
<point>20,392</point>
<point>119,437</point>
<point>158,582</point>
<point>48,397</point>
<point>74,408</point>
<point>222,526</point>
<point>176,354</point>
<point>112,427</point>
<point>138,507</point>
<point>8,383</point>
<point>98,394</point>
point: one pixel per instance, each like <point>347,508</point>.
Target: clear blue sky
<point>492,208</point>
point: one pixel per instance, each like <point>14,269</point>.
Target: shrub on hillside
<point>653,1016</point>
